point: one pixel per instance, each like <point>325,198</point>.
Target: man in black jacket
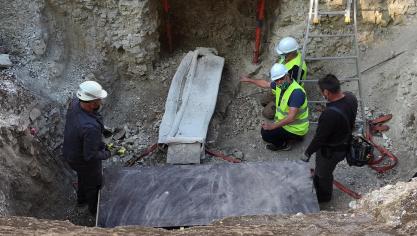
<point>330,140</point>
<point>83,146</point>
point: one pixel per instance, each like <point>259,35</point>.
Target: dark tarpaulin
<point>190,195</point>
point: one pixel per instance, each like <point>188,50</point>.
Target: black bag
<point>360,151</point>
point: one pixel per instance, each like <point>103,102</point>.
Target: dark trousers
<point>278,136</point>
<point>89,183</point>
<point>326,161</point>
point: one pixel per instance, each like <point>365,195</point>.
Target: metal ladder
<point>314,16</point>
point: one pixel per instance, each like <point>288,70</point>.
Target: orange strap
<point>342,188</point>
<point>147,152</point>
<point>222,156</point>
<point>346,190</point>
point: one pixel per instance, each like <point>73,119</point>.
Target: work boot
<point>269,111</point>
<point>284,147</point>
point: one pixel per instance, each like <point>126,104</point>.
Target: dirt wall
<point>59,43</point>
<point>228,26</point>
<point>391,89</point>
<point>32,182</point>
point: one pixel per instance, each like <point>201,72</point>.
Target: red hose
<point>346,190</point>
<point>149,150</point>
<point>374,164</point>
<point>258,34</point>
<point>342,188</point>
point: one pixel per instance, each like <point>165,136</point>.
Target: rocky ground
<point>29,161</point>
<point>52,45</point>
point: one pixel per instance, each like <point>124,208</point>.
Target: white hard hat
<point>278,71</point>
<point>90,90</point>
<point>286,45</point>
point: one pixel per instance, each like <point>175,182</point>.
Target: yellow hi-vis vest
<point>301,124</point>
<point>296,62</point>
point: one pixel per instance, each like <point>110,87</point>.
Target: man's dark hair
<point>329,82</point>
<point>87,101</point>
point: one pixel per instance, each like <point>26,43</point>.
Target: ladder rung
<point>330,58</point>
<point>341,80</point>
<point>330,35</point>
<point>359,101</point>
<point>332,13</point>
<point>316,122</point>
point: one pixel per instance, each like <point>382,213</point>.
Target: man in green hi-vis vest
<point>287,49</point>
<point>291,113</point>
<point>290,57</point>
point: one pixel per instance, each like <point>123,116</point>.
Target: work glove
<point>110,148</point>
<point>306,157</point>
<point>121,151</point>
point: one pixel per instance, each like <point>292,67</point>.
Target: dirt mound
<point>393,205</point>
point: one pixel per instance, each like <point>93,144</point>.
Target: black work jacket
<point>333,128</point>
<point>83,136</point>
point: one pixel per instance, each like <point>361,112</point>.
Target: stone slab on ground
<point>185,153</point>
<point>5,61</point>
<point>188,195</point>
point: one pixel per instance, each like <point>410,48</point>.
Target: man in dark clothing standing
<point>330,140</point>
<point>83,146</point>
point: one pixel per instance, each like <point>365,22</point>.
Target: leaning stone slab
<point>190,105</point>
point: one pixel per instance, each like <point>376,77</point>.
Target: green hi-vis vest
<point>296,62</point>
<point>301,124</point>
